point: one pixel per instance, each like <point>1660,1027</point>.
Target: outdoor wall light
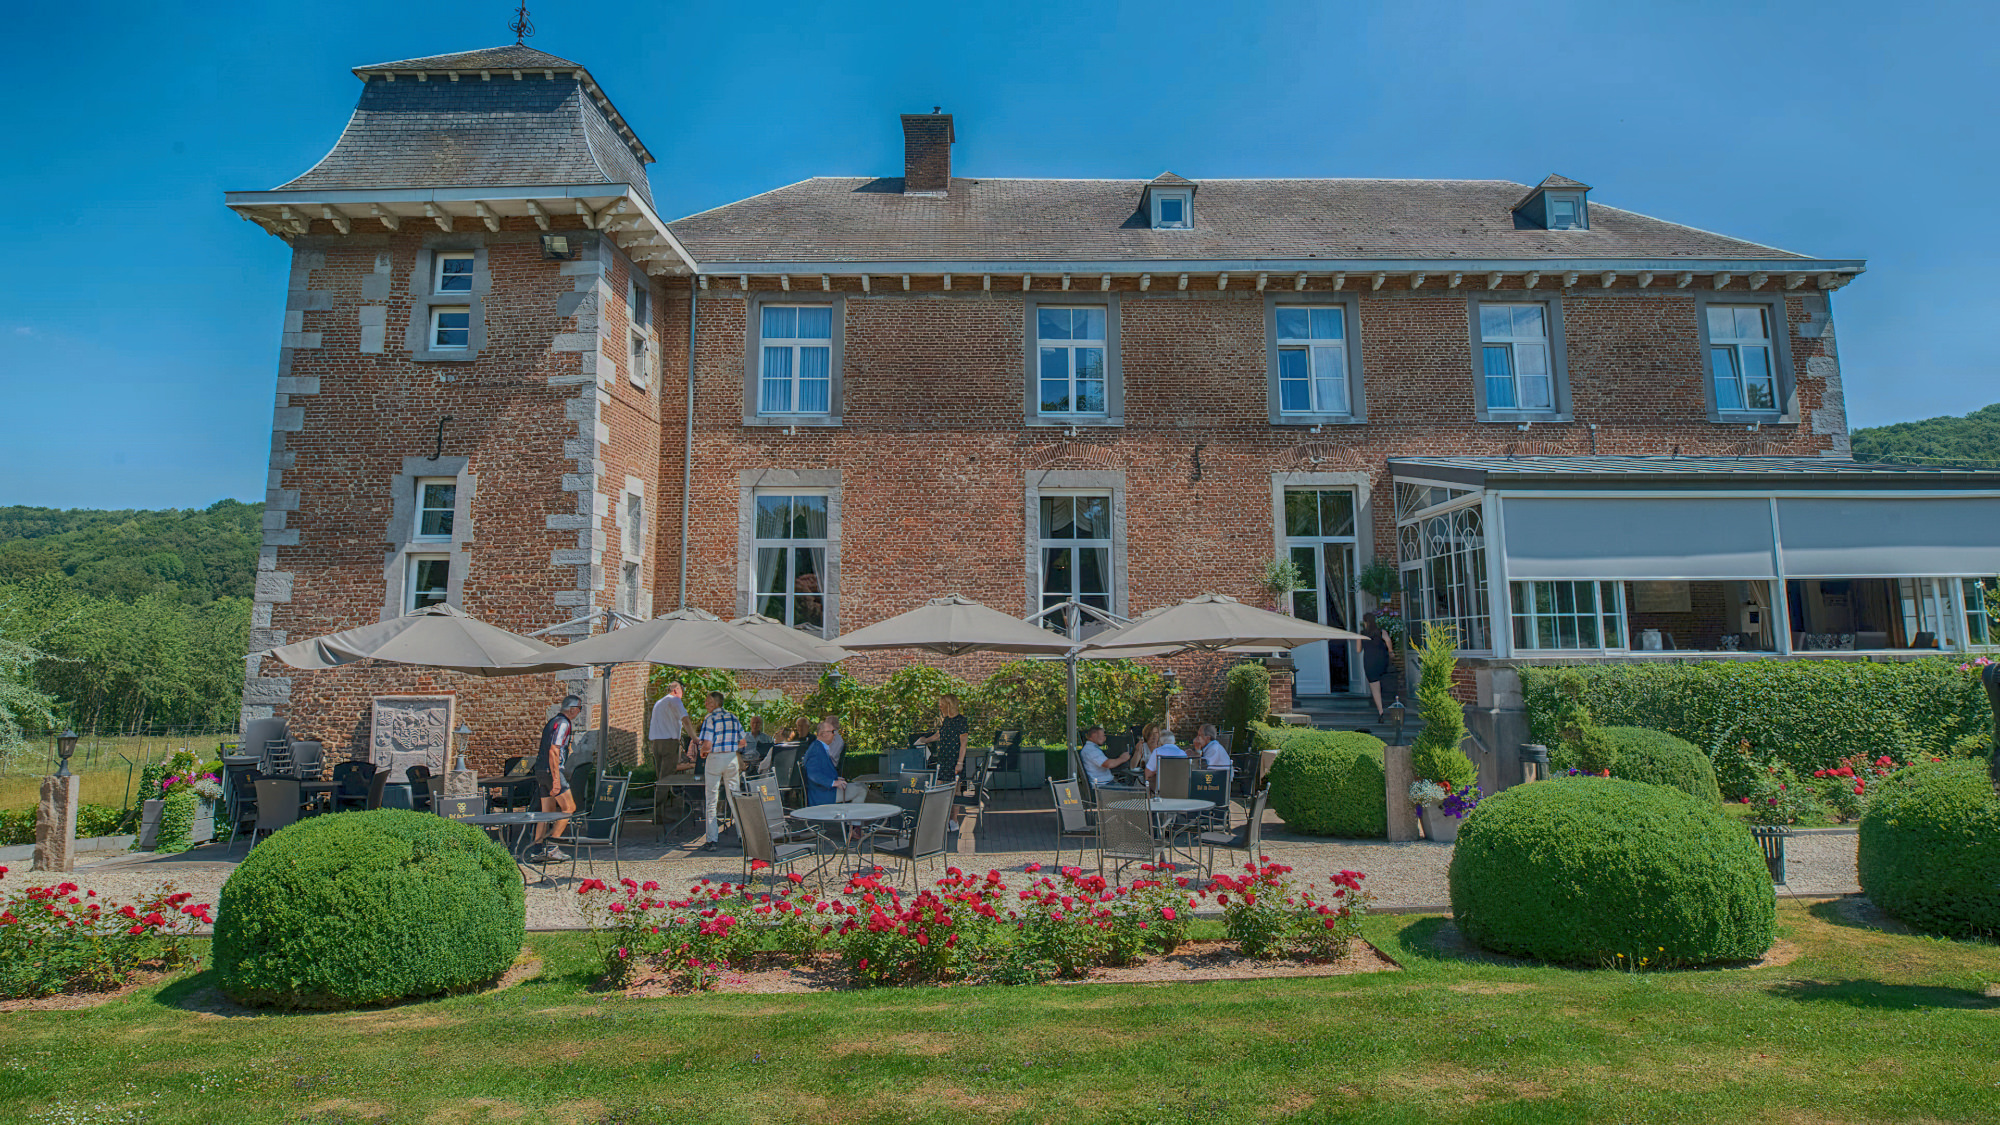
<point>461,741</point>
<point>65,746</point>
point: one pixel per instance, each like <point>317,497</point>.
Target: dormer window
<point>1173,210</point>
<point>1565,212</point>
<point>1557,203</point>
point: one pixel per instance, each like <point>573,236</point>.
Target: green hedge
<point>1810,713</point>
<point>365,907</point>
<point>1582,870</point>
<point>1330,783</point>
<point>1930,848</point>
<point>1246,695</point>
<point>1657,758</point>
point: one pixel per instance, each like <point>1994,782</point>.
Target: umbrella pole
<point>1069,663</point>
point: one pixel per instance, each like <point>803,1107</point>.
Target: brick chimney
<point>927,141</point>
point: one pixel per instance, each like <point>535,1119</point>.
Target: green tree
<point>1435,755</point>
<point>1974,438</point>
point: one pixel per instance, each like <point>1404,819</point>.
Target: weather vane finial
<point>522,27</point>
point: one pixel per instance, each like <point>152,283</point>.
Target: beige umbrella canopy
<point>690,638</point>
<point>437,636</point>
<point>953,626</point>
<point>815,650</point>
<point>1213,622</point>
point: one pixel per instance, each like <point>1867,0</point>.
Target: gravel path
<point>1404,875</point>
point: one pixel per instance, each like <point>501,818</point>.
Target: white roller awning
<point>1888,537</point>
<point>1664,538</point>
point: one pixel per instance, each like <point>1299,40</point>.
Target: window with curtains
<point>789,538</point>
<point>1514,357</point>
<point>796,373</point>
<point>1739,357</point>
<point>1070,343</point>
<point>1569,615</point>
<point>1075,548</point>
<point>1312,360</point>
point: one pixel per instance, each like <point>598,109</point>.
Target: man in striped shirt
<point>720,743</point>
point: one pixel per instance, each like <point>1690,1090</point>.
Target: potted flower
<point>183,814</point>
<point>1440,807</point>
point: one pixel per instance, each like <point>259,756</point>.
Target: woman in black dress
<point>948,743</point>
<point>1374,658</point>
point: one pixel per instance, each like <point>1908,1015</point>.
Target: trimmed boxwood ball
<point>1930,848</point>
<point>1330,783</point>
<point>1657,758</point>
<point>365,907</point>
<point>1579,870</point>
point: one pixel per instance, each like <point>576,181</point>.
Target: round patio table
<point>520,822</point>
<point>845,814</point>
<point>683,782</point>
<point>1167,804</point>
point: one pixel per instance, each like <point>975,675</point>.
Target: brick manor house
<point>1580,433</point>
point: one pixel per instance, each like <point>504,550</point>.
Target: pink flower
<point>1167,912</point>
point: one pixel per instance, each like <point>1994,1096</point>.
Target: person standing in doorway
<point>720,744</point>
<point>551,783</point>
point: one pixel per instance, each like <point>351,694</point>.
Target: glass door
<point>1319,539</point>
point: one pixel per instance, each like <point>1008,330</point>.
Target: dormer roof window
<point>1169,202</point>
<point>1557,203</point>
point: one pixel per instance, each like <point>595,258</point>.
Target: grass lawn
<point>99,760</point>
<point>1863,1026</point>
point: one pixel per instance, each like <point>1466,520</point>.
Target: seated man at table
<point>1212,752</point>
<point>824,785</point>
<point>1095,764</point>
<point>1166,749</point>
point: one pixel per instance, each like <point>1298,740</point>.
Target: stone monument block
<point>411,730</point>
<point>1397,774</point>
<point>55,823</point>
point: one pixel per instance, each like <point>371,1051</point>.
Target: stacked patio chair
<point>278,759</point>
<point>310,758</point>
<point>927,835</point>
<point>1125,831</point>
<point>1073,819</point>
<point>277,805</point>
<point>755,831</point>
<point>1247,839</point>
<point>600,827</point>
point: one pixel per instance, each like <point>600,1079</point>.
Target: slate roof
<point>497,132</point>
<point>857,219</point>
<point>510,57</point>
<point>1732,472</point>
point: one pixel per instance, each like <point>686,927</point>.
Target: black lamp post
<point>65,746</point>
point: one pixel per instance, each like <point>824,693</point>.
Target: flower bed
<point>1064,924</point>
<point>64,938</point>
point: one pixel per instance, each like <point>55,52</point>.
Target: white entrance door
<point>1319,538</point>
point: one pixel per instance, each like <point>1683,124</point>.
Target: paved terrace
<point>1016,829</point>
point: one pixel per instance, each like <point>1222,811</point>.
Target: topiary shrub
<point>1930,848</point>
<point>1246,695</point>
<point>1584,870</point>
<point>1657,758</point>
<point>1330,783</point>
<point>1435,755</point>
<point>366,907</point>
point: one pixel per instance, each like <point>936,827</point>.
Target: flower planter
<point>149,821</point>
<point>1771,838</point>
<point>204,821</point>
<point>1438,826</point>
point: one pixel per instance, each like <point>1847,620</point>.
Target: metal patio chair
<point>755,833</point>
<point>927,836</point>
<point>1073,820</point>
<point>599,828</point>
<point>1247,839</point>
<point>1125,830</point>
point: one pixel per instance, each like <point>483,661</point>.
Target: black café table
<point>312,792</point>
<point>521,823</point>
<point>512,783</point>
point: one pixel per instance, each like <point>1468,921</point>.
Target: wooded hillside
<point>1973,440</point>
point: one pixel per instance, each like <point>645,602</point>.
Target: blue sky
<point>139,319</point>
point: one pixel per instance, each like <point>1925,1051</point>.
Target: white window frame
<point>410,590</point>
<point>1070,347</point>
<point>1523,624</point>
<point>1043,545</point>
<point>641,359</point>
<point>1981,631</point>
<point>438,312</point>
<point>640,302</point>
<point>1574,199</point>
<point>1515,345</point>
<point>417,533</point>
<point>1184,198</point>
<point>1735,345</point>
<point>823,543</point>
<point>797,346</point>
<point>1315,350</point>
<point>438,274</point>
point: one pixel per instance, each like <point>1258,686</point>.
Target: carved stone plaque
<point>411,730</point>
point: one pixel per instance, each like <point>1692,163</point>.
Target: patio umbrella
<point>954,626</point>
<point>1212,623</point>
<point>436,636</point>
<point>815,650</point>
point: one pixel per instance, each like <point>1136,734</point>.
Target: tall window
<point>1444,572</point>
<point>628,588</point>
<point>429,581</point>
<point>454,273</point>
<point>437,506</point>
<point>641,305</point>
<point>1312,360</point>
<point>797,372</point>
<point>635,524</point>
<point>790,542</point>
<point>1739,357</point>
<point>1569,615</point>
<point>1075,547</point>
<point>1980,628</point>
<point>1514,355</point>
<point>1071,343</point>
